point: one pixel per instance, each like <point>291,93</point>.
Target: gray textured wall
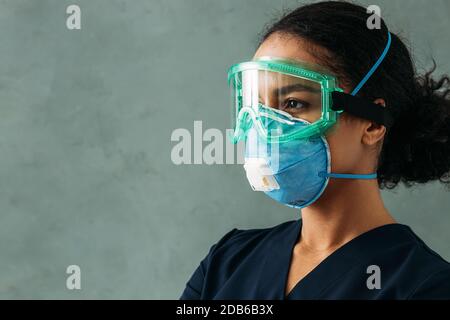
<point>85,123</point>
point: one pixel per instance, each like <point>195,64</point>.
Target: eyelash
<point>304,104</point>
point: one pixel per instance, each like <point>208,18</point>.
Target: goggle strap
<point>361,108</point>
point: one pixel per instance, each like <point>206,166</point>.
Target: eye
<point>294,104</point>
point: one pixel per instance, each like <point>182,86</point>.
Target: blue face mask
<point>294,173</point>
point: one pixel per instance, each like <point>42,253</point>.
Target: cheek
<point>344,147</point>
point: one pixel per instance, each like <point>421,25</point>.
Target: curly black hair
<point>416,148</point>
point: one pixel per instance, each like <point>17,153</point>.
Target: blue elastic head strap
<point>354,92</point>
<point>348,176</point>
<point>374,67</point>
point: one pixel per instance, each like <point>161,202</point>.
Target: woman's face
<point>352,148</point>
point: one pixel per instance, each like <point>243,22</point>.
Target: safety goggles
<point>273,95</point>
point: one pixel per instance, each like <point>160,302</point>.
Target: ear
<point>373,132</point>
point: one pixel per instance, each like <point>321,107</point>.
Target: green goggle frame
<point>328,85</point>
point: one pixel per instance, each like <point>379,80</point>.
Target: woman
<point>331,112</point>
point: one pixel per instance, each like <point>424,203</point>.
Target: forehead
<point>290,47</point>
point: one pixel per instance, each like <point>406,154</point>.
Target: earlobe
<point>374,132</point>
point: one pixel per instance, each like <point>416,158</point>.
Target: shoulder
<point>435,287</point>
<point>245,247</point>
<point>235,248</point>
<point>435,283</point>
<point>239,239</point>
<point>426,254</point>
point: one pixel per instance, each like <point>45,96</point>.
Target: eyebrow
<point>294,88</point>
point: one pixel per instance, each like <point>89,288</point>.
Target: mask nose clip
<point>260,175</point>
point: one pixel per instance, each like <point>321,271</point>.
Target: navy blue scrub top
<point>254,264</point>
